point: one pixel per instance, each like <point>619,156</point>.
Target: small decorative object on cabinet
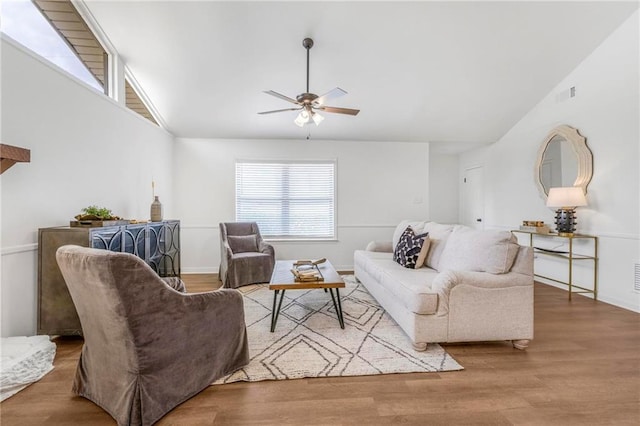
<point>570,256</point>
<point>156,210</point>
<point>94,216</point>
<point>157,243</point>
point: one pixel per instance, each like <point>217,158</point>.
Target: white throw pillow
<point>438,234</point>
<point>484,251</point>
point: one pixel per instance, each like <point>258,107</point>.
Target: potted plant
<point>97,216</point>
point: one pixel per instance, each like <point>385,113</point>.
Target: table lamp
<point>567,199</point>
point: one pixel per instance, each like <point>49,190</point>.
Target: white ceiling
<point>458,73</point>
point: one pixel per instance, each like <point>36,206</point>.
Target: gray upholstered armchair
<point>148,346</point>
<point>244,256</point>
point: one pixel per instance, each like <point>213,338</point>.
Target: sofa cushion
<point>407,252</point>
<point>468,249</point>
<point>243,243</point>
<point>438,234</point>
<point>412,287</point>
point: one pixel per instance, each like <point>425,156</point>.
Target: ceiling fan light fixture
<point>302,118</point>
<point>317,118</point>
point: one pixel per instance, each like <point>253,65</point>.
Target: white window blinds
<point>287,199</point>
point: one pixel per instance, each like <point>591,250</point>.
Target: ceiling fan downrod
<point>308,44</point>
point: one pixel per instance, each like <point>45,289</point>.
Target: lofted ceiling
<point>456,73</point>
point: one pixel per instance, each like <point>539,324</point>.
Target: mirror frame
<point>580,149</point>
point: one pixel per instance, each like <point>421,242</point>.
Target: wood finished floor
<point>582,368</point>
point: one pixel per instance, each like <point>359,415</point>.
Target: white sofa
<point>475,286</point>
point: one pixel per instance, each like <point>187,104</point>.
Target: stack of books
<point>537,226</point>
<point>307,270</point>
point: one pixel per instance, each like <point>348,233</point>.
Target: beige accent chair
<point>245,258</point>
<point>148,347</point>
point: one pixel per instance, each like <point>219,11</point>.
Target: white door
<point>473,198</point>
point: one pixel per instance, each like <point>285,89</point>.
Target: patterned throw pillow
<point>408,249</point>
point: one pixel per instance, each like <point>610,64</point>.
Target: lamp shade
<point>571,196</point>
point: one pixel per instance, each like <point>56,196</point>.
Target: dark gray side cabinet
<point>157,243</point>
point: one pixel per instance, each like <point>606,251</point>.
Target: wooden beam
<point>10,155</point>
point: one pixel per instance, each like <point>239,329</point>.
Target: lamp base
<point>565,221</point>
<point>565,234</point>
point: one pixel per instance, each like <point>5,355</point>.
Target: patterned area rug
<point>308,340</point>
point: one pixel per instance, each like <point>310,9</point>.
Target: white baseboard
<point>203,270</point>
<point>624,304</point>
<point>343,267</point>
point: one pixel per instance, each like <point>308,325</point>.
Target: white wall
<point>606,111</point>
<point>443,187</point>
<point>85,149</point>
<point>379,184</point>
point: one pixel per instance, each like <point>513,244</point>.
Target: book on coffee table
<point>306,272</point>
<point>309,262</point>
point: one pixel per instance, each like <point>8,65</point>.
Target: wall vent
<point>636,280</point>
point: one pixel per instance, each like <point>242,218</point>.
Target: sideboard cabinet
<point>157,243</point>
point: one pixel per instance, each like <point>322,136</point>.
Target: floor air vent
<point>636,280</point>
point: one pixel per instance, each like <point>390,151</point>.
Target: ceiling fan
<point>309,103</point>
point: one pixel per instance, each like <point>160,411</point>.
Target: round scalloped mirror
<point>564,159</point>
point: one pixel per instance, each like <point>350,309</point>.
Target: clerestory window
<point>136,104</point>
<point>55,31</point>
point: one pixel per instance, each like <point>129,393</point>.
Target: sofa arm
<point>266,248</point>
<point>445,281</point>
<point>380,246</point>
<point>225,261</point>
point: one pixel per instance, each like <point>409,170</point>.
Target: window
<point>288,200</point>
<point>136,104</point>
<point>55,31</point>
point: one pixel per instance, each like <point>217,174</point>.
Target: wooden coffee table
<point>282,279</point>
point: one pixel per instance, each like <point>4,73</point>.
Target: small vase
<point>156,210</point>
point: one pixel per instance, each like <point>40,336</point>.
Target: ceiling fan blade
<point>278,95</point>
<point>280,110</point>
<point>337,110</point>
<point>332,94</point>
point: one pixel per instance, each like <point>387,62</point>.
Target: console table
<point>157,243</point>
<point>570,256</point>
